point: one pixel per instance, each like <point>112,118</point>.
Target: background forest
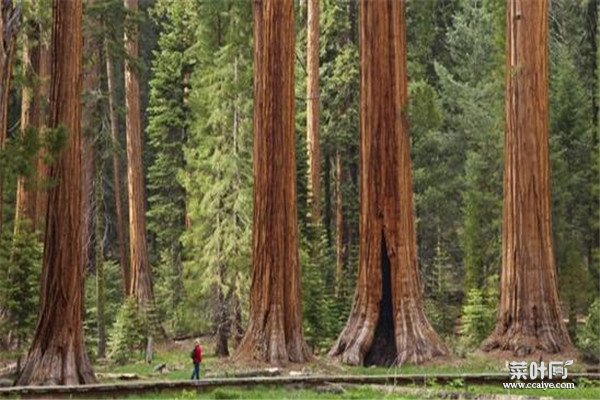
<point>195,67</point>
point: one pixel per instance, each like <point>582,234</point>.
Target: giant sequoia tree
<point>275,330</point>
<point>387,324</point>
<point>140,275</point>
<point>529,317</point>
<point>57,354</point>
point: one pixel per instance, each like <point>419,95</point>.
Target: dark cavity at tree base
<point>372,335</point>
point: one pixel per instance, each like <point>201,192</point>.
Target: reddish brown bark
<point>57,355</point>
<point>529,317</point>
<point>141,279</point>
<point>313,140</point>
<point>387,324</point>
<point>116,165</point>
<point>31,117</point>
<point>274,333</point>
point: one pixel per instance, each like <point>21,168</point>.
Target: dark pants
<point>196,372</point>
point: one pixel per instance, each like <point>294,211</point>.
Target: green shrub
<point>477,319</point>
<point>128,332</point>
<point>19,284</point>
<point>588,335</point>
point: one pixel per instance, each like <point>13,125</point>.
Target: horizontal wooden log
<point>138,387</point>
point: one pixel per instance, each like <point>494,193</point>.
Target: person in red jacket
<point>197,358</point>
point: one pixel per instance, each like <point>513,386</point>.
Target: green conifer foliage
<point>19,285</point>
<point>472,93</point>
<point>168,125</point>
<point>218,175</point>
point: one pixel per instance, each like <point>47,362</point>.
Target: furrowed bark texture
<point>116,166</point>
<point>529,317</point>
<point>313,140</point>
<point>387,324</point>
<point>141,278</point>
<point>274,333</point>
<point>57,355</point>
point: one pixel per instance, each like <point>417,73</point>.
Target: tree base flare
<point>260,346</point>
<point>57,366</point>
<point>384,335</point>
<point>547,340</point>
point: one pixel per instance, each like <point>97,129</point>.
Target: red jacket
<point>197,354</point>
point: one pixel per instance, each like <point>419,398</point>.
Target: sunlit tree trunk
<point>529,317</point>
<point>57,355</point>
<point>387,324</point>
<point>116,170</point>
<point>312,111</point>
<point>274,333</point>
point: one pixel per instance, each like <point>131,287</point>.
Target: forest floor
<point>174,358</point>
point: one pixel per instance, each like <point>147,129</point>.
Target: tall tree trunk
<point>274,333</point>
<point>10,18</point>
<point>238,330</point>
<point>42,168</point>
<point>116,166</point>
<point>57,355</point>
<point>222,317</point>
<point>100,284</point>
<point>141,275</point>
<point>312,111</point>
<point>340,249</point>
<point>31,118</point>
<point>529,317</point>
<point>387,324</point>
<point>91,81</point>
<point>141,280</point>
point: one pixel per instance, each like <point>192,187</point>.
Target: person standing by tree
<point>197,359</point>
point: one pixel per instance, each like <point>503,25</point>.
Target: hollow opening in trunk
<point>383,348</point>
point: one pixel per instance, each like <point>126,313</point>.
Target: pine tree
<point>339,84</point>
<point>572,153</point>
<point>19,285</point>
<point>471,91</point>
<point>167,133</point>
<point>218,163</point>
